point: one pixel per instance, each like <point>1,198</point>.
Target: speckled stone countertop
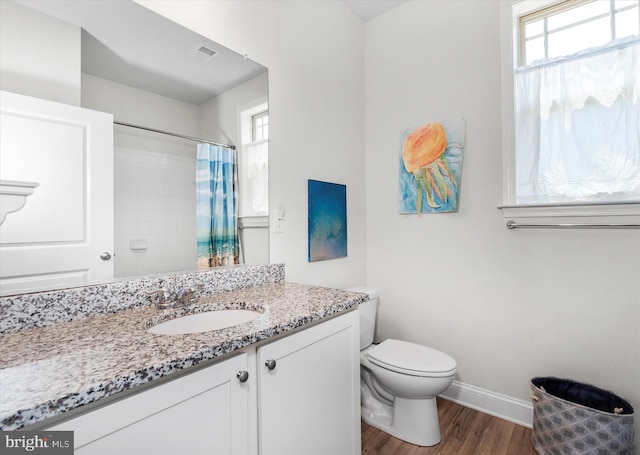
<point>45,371</point>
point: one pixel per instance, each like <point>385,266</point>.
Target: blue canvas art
<point>327,220</point>
<point>431,167</point>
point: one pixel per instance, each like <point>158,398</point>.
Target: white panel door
<point>309,402</point>
<point>58,236</point>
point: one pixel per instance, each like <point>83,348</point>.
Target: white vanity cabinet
<point>309,390</point>
<point>302,396</point>
<point>204,412</point>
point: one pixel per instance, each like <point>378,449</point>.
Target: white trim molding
<point>559,210</point>
<point>492,403</point>
<point>248,222</point>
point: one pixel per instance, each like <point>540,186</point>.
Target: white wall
<point>314,52</point>
<point>42,60</point>
<point>507,305</point>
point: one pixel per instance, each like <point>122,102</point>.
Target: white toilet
<point>399,381</point>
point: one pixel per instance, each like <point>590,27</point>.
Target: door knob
<point>105,256</point>
<point>271,364</point>
<point>243,376</point>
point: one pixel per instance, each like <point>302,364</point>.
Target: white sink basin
<point>204,322</point>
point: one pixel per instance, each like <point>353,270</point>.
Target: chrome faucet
<point>165,299</point>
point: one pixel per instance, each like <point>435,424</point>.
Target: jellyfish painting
<point>430,167</point>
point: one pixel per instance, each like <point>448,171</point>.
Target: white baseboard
<point>492,403</point>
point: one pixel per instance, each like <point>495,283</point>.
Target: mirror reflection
<point>190,122</point>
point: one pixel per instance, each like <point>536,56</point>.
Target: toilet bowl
<point>399,381</point>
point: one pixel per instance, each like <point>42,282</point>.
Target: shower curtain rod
<point>233,147</point>
<point>513,225</point>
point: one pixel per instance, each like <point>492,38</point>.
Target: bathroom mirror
<point>150,72</point>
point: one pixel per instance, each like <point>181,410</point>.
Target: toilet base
<point>414,421</point>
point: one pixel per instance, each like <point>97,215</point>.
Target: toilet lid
<point>410,358</point>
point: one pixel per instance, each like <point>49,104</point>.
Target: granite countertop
<point>49,370</point>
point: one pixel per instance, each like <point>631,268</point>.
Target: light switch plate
<point>277,221</point>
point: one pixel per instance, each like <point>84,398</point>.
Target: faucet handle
<point>185,295</point>
<point>161,297</point>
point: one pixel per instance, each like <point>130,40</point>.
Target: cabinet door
<point>202,413</point>
<point>309,403</point>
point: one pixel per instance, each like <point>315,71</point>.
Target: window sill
<point>249,222</point>
<point>573,210</point>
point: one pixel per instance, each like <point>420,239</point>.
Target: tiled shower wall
<point>154,210</point>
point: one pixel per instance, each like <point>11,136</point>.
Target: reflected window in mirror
<point>254,160</point>
<point>260,126</point>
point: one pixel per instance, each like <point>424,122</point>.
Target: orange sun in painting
<point>422,153</point>
<point>423,146</point>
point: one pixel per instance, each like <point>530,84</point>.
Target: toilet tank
<point>368,312</point>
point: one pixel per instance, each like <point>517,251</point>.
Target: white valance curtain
<point>255,198</point>
<point>578,126</point>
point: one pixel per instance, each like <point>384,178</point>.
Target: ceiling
<point>129,44</point>
<point>368,9</point>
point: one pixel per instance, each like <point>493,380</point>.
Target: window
<point>572,117</point>
<point>571,26</point>
<point>253,160</point>
<point>260,126</point>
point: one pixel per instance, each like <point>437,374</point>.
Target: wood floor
<point>464,432</point>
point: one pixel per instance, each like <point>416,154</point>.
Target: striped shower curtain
<point>216,206</point>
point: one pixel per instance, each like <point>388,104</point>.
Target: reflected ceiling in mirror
<point>147,70</point>
<point>125,42</point>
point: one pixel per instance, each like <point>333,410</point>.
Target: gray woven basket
<point>571,418</point>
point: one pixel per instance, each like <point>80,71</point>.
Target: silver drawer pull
<point>243,376</point>
<point>271,364</point>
